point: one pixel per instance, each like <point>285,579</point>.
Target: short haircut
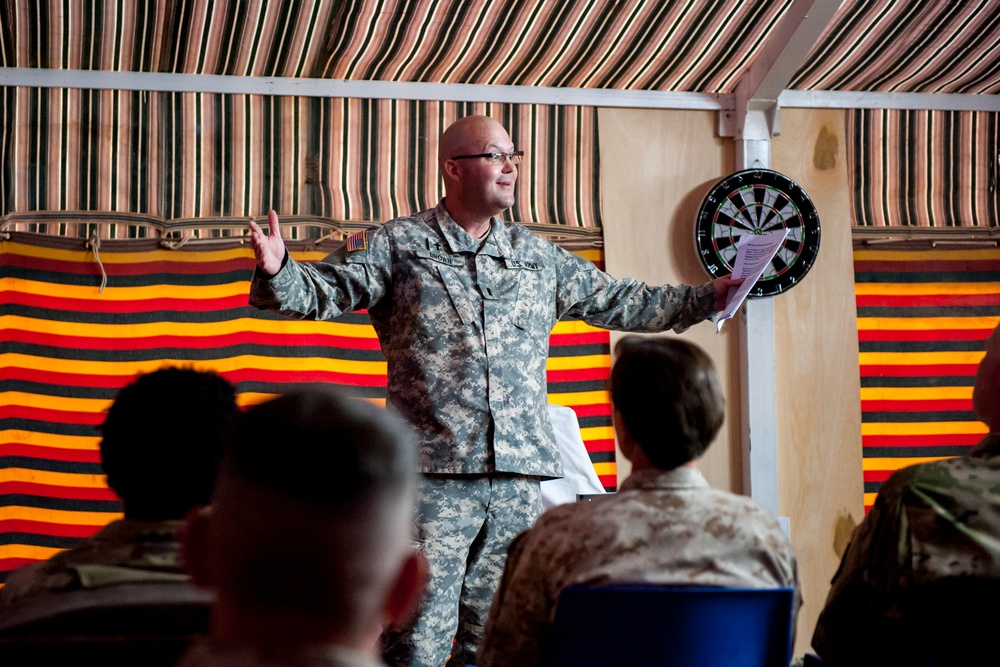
<point>314,505</point>
<point>162,441</point>
<point>669,397</point>
<point>322,448</point>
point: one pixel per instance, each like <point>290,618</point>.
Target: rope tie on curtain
<point>94,243</point>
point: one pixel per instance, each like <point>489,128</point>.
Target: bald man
<point>932,524</point>
<point>463,304</point>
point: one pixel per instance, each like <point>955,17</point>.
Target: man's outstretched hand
<point>269,249</point>
<point>722,286</point>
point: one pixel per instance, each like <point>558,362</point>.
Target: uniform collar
<point>458,240</point>
<point>681,477</point>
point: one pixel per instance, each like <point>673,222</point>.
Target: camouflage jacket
<point>124,551</point>
<point>929,522</point>
<point>465,328</point>
<point>661,526</point>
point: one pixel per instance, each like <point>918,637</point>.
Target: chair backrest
<point>124,624</point>
<point>651,624</point>
<point>954,623</point>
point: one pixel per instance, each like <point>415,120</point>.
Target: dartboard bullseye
<point>755,201</point>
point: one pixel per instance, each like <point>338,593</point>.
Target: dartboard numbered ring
<point>756,201</point>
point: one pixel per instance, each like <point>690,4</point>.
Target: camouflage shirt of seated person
<point>663,526</point>
<point>124,551</point>
<point>930,522</point>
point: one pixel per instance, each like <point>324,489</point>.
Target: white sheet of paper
<point>753,254</point>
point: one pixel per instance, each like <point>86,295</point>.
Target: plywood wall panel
<point>656,167</point>
<point>818,387</point>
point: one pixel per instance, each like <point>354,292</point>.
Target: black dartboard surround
<point>755,201</point>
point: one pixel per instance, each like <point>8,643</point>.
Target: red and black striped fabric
<point>922,318</point>
<point>67,347</point>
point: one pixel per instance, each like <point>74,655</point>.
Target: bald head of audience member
<point>986,391</point>
<point>668,403</point>
<point>308,543</point>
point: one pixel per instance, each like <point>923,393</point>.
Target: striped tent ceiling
<point>934,46</point>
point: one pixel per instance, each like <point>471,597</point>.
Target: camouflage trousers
<point>464,524</point>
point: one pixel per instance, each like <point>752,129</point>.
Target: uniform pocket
<point>534,295</point>
<point>449,271</point>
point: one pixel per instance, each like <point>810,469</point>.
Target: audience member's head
<point>163,439</point>
<point>667,400</point>
<point>308,542</point>
<point>986,392</point>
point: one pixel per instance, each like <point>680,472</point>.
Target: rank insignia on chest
<point>357,241</point>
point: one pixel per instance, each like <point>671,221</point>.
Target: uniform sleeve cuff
<point>705,298</point>
<point>260,275</point>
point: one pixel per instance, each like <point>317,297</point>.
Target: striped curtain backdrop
<point>66,348</point>
<point>922,318</point>
<point>630,44</point>
<point>892,46</point>
<point>194,155</point>
<point>924,168</point>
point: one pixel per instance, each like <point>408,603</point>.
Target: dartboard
<point>756,201</point>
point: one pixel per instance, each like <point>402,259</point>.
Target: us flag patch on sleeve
<point>356,241</point>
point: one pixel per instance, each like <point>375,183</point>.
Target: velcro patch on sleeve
<point>357,241</point>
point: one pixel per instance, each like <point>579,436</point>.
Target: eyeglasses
<point>495,158</point>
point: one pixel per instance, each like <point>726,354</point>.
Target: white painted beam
<point>847,99</point>
<point>758,403</point>
<point>778,60</point>
<point>755,121</point>
<point>458,92</point>
<point>787,47</point>
<point>645,99</point>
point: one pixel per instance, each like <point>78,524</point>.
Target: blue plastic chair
<point>650,624</point>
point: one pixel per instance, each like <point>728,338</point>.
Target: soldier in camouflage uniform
<point>665,524</point>
<point>932,523</point>
<point>463,304</point>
